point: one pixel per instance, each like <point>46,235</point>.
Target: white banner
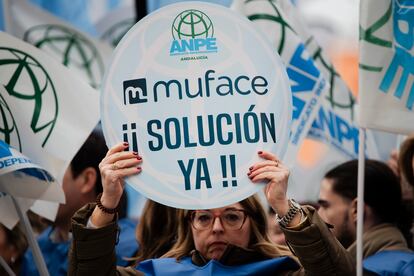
<point>333,136</point>
<point>47,112</point>
<point>76,50</point>
<point>114,25</point>
<point>308,86</point>
<point>386,66</point>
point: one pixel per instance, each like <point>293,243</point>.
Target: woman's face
<point>215,228</point>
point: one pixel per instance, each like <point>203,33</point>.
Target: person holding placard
<point>236,241</point>
<point>81,184</point>
<point>13,244</point>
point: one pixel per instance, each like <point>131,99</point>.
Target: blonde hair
<point>259,238</point>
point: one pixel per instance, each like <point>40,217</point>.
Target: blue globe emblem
<point>192,24</point>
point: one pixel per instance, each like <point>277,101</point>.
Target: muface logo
<point>25,79</point>
<point>193,32</point>
<point>72,49</point>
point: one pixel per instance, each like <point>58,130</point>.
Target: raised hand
<point>116,165</point>
<point>276,174</point>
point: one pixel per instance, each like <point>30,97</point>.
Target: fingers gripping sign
<point>117,165</point>
<point>276,174</point>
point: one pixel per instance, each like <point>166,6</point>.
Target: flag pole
<point>38,257</point>
<point>360,201</point>
<point>6,267</point>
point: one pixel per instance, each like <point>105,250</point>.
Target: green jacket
<point>381,237</point>
<point>92,250</point>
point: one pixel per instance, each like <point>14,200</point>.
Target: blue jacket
<point>390,263</point>
<point>56,254</point>
<point>169,266</point>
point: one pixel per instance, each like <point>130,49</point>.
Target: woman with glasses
<point>231,240</point>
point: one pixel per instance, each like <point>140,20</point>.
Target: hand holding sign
<point>114,167</point>
<point>277,175</point>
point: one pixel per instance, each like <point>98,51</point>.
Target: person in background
<point>406,162</point>
<point>230,239</point>
<point>157,230</point>
<point>13,244</point>
<point>275,233</point>
<point>38,223</point>
<point>382,211</point>
<point>406,167</point>
<point>81,185</point>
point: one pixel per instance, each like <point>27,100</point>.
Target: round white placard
<point>197,91</point>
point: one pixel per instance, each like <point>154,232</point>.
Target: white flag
<point>114,25</point>
<point>307,83</point>
<point>386,66</point>
<point>75,49</point>
<point>25,181</point>
<point>47,112</point>
<point>333,135</point>
<point>335,125</point>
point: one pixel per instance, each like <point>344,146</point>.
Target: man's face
<point>335,210</point>
<point>70,188</point>
<point>6,250</point>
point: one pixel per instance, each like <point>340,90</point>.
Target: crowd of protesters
<point>238,237</point>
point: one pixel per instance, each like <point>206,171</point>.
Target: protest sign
<point>197,91</point>
<point>387,65</point>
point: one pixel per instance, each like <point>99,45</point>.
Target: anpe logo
<point>193,32</point>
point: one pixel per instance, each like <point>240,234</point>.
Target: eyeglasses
<point>232,219</point>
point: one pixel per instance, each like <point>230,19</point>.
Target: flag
<point>387,65</point>
<point>307,83</point>
<point>113,26</point>
<point>76,50</point>
<point>25,181</point>
<point>332,138</point>
<point>46,111</point>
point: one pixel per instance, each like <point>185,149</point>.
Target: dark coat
<point>92,250</point>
